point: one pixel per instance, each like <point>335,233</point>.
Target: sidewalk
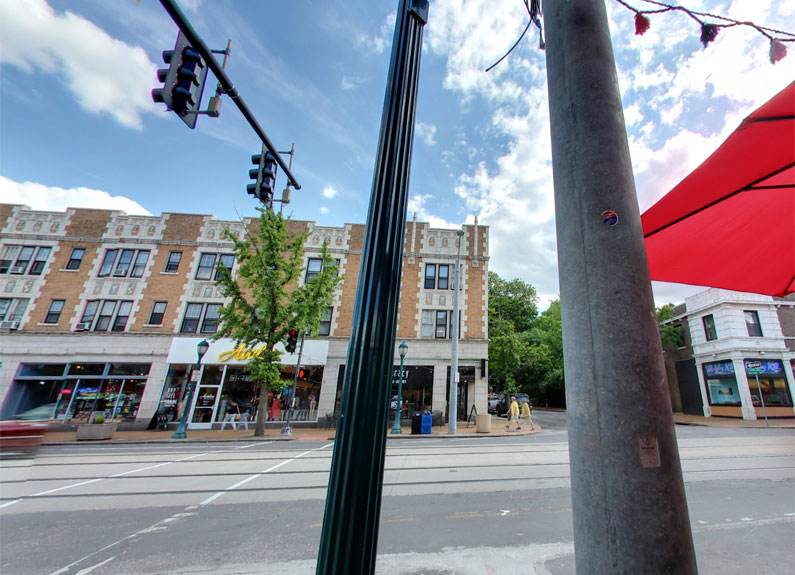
<point>684,419</point>
<point>274,434</point>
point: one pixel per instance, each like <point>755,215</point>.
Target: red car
<point>24,433</point>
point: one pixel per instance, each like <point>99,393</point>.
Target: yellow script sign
<point>242,353</point>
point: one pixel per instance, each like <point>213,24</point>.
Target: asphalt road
<point>450,506</point>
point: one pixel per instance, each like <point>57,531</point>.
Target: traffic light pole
<point>227,87</point>
<point>287,430</point>
<point>349,537</point>
<point>628,499</point>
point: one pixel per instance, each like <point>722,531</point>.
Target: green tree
<point>546,345</point>
<point>514,300</point>
<point>264,302</point>
<point>506,353</point>
<point>669,333</point>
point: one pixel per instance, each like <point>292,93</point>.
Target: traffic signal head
<point>292,341</point>
<point>264,176</point>
<point>183,81</point>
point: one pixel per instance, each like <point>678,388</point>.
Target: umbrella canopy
<point>731,222</point>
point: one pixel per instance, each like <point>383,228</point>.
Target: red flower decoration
<point>777,51</point>
<point>641,24</point>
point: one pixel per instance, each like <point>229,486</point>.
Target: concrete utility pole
<point>452,410</point>
<point>348,540</point>
<point>628,497</point>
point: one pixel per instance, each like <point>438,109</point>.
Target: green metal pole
<point>182,428</point>
<point>396,425</point>
<point>348,540</point>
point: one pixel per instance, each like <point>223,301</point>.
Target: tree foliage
<point>669,333</point>
<point>513,300</point>
<point>264,302</point>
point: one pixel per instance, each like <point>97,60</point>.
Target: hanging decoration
<point>710,25</point>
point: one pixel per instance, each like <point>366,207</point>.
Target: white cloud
<point>351,82</point>
<point>383,39</point>
<point>329,192</point>
<point>48,198</point>
<point>324,210</point>
<point>426,132</point>
<point>105,75</point>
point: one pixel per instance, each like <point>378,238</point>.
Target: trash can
<point>427,422</point>
<point>416,423</point>
<point>483,424</point>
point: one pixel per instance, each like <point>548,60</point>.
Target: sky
<point>78,127</point>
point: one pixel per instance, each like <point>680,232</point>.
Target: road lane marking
<point>256,475</point>
<point>254,444</point>
<point>88,570</point>
<point>7,503</point>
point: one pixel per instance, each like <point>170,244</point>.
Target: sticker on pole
<point>648,453</point>
<point>194,375</point>
<point>609,217</point>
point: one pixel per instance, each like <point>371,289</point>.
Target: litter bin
<point>427,422</point>
<point>416,423</point>
<point>483,423</point>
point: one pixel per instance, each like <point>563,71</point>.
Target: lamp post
<point>452,416</point>
<point>180,433</point>
<point>402,349</point>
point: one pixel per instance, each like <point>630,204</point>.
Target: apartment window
<point>173,262</point>
<point>430,276</point>
<point>325,321</point>
<point>12,309</point>
<point>709,327</point>
<point>207,265</point>
<point>444,277</point>
<point>104,315</point>
<point>54,313</point>
<point>441,324</point>
<point>313,267</point>
<point>158,311</point>
<point>211,317</point>
<point>24,259</point>
<point>76,258</point>
<point>197,314</point>
<point>123,263</point>
<point>752,323</point>
<point>427,324</point>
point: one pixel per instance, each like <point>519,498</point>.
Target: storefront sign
<point>242,353</point>
<point>719,368</point>
<point>769,366</point>
<point>228,351</point>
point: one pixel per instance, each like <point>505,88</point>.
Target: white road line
<point>67,487</point>
<point>247,479</point>
<point>253,444</point>
<point>88,570</point>
<point>7,503</point>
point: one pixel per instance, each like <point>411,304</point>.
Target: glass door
<point>206,397</point>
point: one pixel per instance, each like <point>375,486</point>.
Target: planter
<point>95,431</point>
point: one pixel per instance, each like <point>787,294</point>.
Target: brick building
<point>101,312</point>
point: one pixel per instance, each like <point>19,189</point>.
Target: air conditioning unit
<point>9,325</point>
<point>83,326</point>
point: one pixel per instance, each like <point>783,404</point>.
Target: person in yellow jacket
<point>514,415</point>
<point>527,414</point>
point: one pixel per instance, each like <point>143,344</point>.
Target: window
<point>441,324</point>
<point>207,265</point>
<point>752,323</point>
<point>444,277</point>
<point>17,259</point>
<point>173,262</point>
<point>54,313</point>
<point>123,263</point>
<point>158,311</point>
<point>190,322</point>
<point>194,317</point>
<point>76,258</point>
<point>430,276</point>
<point>104,315</point>
<point>427,324</point>
<point>709,327</point>
<point>12,309</point>
<point>211,317</point>
<point>39,261</point>
<point>325,321</point>
<point>313,267</point>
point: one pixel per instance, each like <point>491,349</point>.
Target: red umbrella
<point>731,222</point>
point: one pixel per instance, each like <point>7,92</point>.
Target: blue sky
<point>78,126</point>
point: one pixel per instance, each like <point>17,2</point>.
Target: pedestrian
<point>312,405</point>
<point>244,415</point>
<point>232,413</point>
<point>514,415</point>
<point>527,414</point>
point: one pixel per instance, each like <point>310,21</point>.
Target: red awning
<point>731,223</point>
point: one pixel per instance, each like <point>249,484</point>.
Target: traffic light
<point>183,81</point>
<point>264,176</point>
<point>292,341</point>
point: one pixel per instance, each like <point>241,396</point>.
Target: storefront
<point>78,392</point>
<point>728,392</point>
<point>225,387</point>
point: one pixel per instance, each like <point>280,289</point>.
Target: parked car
<point>493,403</point>
<point>24,432</point>
<point>503,407</point>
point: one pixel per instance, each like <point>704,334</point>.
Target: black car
<point>504,405</point>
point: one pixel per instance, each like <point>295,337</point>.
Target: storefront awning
<point>731,223</point>
<point>225,351</point>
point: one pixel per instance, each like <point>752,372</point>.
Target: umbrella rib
<point>745,188</point>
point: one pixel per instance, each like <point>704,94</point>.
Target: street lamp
<point>180,433</point>
<point>452,414</point>
<point>402,349</point>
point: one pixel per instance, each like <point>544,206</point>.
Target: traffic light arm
<point>226,84</point>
